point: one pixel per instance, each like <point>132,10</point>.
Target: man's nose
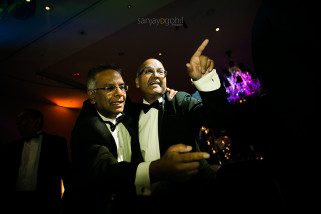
<point>119,91</point>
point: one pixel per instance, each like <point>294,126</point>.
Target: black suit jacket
<point>179,122</point>
<point>99,182</point>
<point>181,117</point>
<point>53,166</point>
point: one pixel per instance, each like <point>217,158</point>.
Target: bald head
<point>151,79</point>
<point>154,63</point>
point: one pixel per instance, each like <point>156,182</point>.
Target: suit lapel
<point>101,132</point>
<point>161,113</point>
<point>105,133</point>
<point>162,117</point>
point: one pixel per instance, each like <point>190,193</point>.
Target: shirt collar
<point>160,100</point>
<point>109,119</point>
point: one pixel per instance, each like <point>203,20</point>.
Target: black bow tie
<point>156,105</point>
<point>118,120</point>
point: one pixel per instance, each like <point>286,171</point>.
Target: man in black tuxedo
<point>177,119</point>
<point>108,169</point>
<point>34,167</point>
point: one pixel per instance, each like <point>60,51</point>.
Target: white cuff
<point>142,180</point>
<point>209,82</point>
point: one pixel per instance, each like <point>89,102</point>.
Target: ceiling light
<point>217,29</point>
<point>76,74</point>
<point>68,102</point>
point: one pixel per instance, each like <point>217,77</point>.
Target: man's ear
<point>92,94</point>
<point>136,82</point>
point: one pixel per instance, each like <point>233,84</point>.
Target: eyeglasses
<point>111,88</point>
<point>148,71</point>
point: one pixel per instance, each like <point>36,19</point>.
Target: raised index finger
<point>200,49</point>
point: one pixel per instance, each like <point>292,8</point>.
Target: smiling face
<point>151,80</point>
<point>108,102</point>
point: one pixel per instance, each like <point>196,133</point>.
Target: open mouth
<point>118,103</point>
<point>155,83</point>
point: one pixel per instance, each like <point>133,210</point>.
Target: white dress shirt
<point>28,170</point>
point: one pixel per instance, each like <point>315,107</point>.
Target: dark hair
<point>91,76</point>
<point>31,113</point>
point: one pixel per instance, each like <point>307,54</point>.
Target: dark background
<point>45,55</point>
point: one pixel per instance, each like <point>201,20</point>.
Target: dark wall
<point>58,120</point>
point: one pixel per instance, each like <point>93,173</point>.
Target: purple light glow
<point>240,85</point>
